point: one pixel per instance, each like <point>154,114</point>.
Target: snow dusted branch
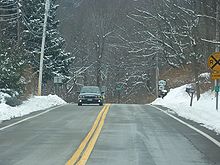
<point>147,13</point>
<point>210,41</point>
<point>80,71</point>
<point>187,11</point>
<point>108,33</point>
<point>135,15</point>
<point>136,21</point>
<point>206,16</point>
<point>117,46</point>
<point>137,51</point>
<point>125,40</point>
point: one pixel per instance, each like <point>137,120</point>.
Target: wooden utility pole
<point>157,76</point>
<point>156,6</point>
<point>18,24</point>
<point>47,6</point>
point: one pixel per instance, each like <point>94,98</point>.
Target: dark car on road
<point>90,95</point>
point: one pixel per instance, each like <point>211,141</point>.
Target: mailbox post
<point>119,88</point>
<point>190,90</point>
<point>161,88</point>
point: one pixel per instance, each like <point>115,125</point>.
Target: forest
<point>123,46</point>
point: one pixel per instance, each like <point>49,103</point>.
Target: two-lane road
<point>131,135</point>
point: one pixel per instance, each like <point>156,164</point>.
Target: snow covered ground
<point>35,103</point>
<point>202,111</point>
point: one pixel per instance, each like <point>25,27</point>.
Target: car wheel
<point>79,104</point>
<point>101,104</point>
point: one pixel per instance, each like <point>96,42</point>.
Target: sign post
<point>214,65</point>
<point>57,82</point>
<point>119,88</point>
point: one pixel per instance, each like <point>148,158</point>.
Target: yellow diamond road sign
<point>214,61</point>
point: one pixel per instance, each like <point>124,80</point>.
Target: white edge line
<point>190,126</point>
<point>28,118</point>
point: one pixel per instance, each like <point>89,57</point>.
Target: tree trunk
<point>196,76</point>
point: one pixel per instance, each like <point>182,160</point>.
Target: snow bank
<point>2,97</point>
<point>35,103</point>
<point>202,111</point>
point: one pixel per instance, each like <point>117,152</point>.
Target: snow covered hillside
<point>35,103</point>
<point>202,111</point>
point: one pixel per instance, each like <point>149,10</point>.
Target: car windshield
<point>90,89</point>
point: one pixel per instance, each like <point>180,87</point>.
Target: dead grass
<point>176,77</point>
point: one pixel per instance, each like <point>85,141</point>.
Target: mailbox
<point>190,89</point>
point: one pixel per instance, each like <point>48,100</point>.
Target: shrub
<point>12,101</point>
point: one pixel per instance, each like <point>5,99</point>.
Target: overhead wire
<point>14,15</point>
<point>10,19</point>
<point>9,15</point>
<point>9,5</point>
<point>29,28</point>
<point>12,9</point>
<point>17,15</point>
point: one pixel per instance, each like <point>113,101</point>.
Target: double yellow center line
<point>84,150</point>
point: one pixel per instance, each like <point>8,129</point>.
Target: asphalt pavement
<point>49,139</point>
<point>142,135</point>
<point>131,135</point>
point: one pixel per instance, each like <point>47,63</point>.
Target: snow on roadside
<point>35,103</point>
<point>202,111</point>
<point>2,96</point>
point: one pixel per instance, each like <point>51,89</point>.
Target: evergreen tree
<point>11,60</point>
<point>56,61</point>
<point>20,42</point>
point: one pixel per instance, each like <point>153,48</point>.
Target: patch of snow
<point>35,103</point>
<point>202,111</point>
<point>3,96</point>
<point>205,75</point>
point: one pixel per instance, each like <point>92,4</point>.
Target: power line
<point>9,15</point>
<point>29,27</point>
<point>12,9</point>
<point>9,5</point>
<point>10,19</point>
<point>7,12</point>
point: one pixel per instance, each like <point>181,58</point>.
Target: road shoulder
<point>198,126</point>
